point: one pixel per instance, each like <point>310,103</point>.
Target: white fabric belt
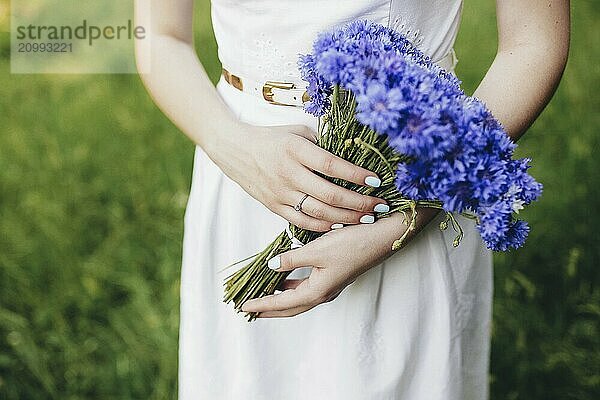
<point>289,93</point>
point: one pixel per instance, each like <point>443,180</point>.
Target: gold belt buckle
<point>268,87</point>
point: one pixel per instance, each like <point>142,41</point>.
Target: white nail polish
<point>372,181</point>
<point>337,226</point>
<point>381,208</point>
<point>275,262</point>
<point>367,219</point>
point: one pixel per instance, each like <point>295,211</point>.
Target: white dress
<point>416,327</point>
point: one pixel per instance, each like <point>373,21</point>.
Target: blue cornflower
<point>494,223</point>
<point>516,235</point>
<point>459,154</point>
<point>379,107</point>
<point>529,187</point>
<point>331,65</point>
<point>318,88</point>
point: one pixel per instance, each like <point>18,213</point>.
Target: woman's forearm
<point>533,43</point>
<point>175,78</point>
<point>184,92</point>
<point>518,86</point>
<point>532,53</point>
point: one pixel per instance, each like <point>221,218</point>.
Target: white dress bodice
<point>261,39</point>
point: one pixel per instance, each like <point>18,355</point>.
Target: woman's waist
<point>254,110</point>
<point>274,67</point>
<point>280,88</point>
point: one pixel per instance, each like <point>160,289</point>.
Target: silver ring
<point>298,207</point>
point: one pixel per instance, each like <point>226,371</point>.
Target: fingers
<point>321,160</point>
<point>289,299</point>
<point>303,131</point>
<point>330,202</point>
<point>303,220</point>
<point>292,259</point>
<point>285,313</point>
<point>302,296</point>
<point>334,195</point>
<point>319,210</point>
<point>272,307</point>
<point>290,284</point>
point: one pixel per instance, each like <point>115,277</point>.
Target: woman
<point>411,325</point>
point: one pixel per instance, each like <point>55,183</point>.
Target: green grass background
<point>93,184</point>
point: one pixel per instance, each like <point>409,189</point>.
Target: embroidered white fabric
<point>261,39</point>
<point>414,327</point>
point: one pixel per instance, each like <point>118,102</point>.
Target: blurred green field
<point>93,184</point>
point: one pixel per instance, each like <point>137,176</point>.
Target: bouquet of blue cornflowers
<point>383,105</point>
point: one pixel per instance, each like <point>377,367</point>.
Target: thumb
<point>292,259</point>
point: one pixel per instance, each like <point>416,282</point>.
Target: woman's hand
<point>273,164</point>
<point>338,258</point>
<point>276,166</point>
